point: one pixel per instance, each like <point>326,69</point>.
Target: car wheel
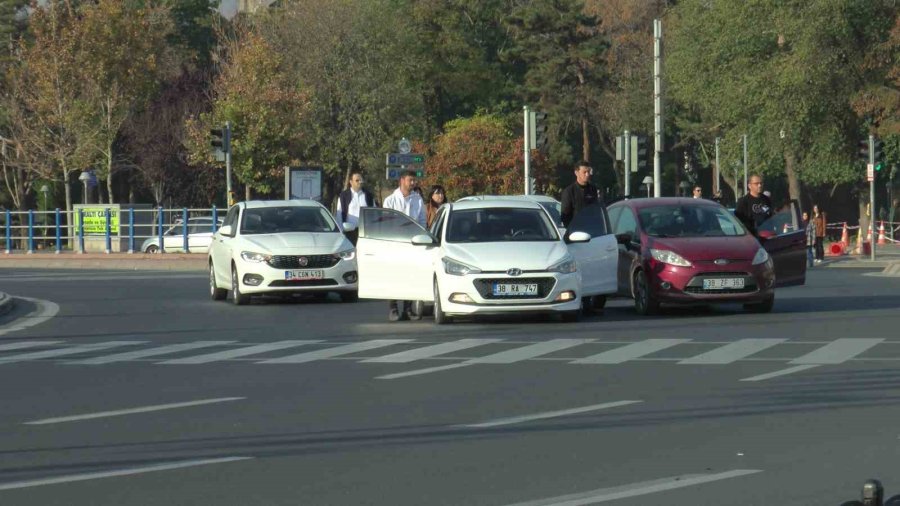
<point>349,296</point>
<point>571,316</point>
<point>440,317</point>
<point>593,304</point>
<point>215,293</point>
<point>644,303</point>
<point>238,298</point>
<point>761,307</point>
<point>152,249</point>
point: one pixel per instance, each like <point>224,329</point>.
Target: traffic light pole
<point>872,198</point>
<point>627,156</point>
<point>527,150</point>
<point>228,163</point>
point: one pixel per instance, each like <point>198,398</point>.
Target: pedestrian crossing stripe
<point>384,351</point>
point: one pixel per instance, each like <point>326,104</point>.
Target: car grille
<point>293,261</point>
<point>303,282</point>
<point>695,286</point>
<point>485,287</point>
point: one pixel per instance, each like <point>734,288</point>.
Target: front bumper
<point>260,277</point>
<point>479,289</point>
<point>684,285</point>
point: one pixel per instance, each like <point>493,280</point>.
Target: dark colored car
<point>694,251</point>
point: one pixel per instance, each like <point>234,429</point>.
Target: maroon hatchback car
<point>694,251</point>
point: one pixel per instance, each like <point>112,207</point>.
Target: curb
<point>7,303</point>
<point>136,262</point>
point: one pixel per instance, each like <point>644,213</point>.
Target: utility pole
<point>627,156</point>
<point>657,109</point>
<point>871,169</point>
<point>527,115</point>
<point>745,164</point>
<point>716,173</point>
<point>228,162</point>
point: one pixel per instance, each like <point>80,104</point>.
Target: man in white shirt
<point>410,203</point>
<point>350,201</point>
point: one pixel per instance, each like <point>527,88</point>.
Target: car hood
<point>699,249</point>
<point>500,256</point>
<point>309,243</point>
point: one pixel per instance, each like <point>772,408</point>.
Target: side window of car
<point>200,227</point>
<point>387,225</point>
<point>626,223</point>
<point>591,219</point>
<point>438,224</point>
<point>780,223</point>
<point>614,214</point>
<point>231,218</point>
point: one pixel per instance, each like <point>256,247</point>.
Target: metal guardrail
<point>51,228</point>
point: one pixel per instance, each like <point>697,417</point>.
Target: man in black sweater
<point>755,207</point>
<point>579,194</point>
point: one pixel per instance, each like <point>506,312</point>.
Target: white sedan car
<point>200,235</point>
<point>484,256</point>
<point>280,246</point>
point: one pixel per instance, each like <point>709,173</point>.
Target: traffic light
<point>864,150</point>
<point>539,130</point>
<point>876,155</point>
<point>221,139</point>
<point>638,152</point>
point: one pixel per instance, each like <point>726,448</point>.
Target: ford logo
<point>514,271</point>
<point>721,261</point>
<point>303,261</point>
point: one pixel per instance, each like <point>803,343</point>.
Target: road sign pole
<point>227,147</point>
<point>745,164</point>
<point>657,108</point>
<point>627,156</point>
<point>872,198</point>
<point>717,172</point>
<point>527,123</point>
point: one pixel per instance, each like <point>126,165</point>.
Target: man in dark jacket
<point>579,194</point>
<point>350,201</point>
<point>754,208</point>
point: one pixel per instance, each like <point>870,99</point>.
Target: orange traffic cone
<point>881,238</point>
<point>845,236</point>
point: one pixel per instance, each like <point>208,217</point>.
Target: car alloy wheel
<point>644,303</point>
<point>215,293</point>
<point>153,249</point>
<point>238,298</point>
<point>440,317</point>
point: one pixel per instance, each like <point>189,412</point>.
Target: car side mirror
<point>576,237</point>
<point>625,238</point>
<point>349,227</point>
<point>226,230</point>
<point>423,240</point>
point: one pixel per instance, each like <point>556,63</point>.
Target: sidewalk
<point>886,256</point>
<point>116,261</point>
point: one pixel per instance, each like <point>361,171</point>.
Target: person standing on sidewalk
<point>754,208</point>
<point>818,218</point>
<point>409,202</point>
<point>810,238</point>
<point>350,201</point>
<point>579,194</point>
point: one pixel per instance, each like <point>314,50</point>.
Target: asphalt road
<point>135,388</point>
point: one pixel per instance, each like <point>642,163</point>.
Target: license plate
<point>723,283</point>
<point>515,289</point>
<point>301,275</point>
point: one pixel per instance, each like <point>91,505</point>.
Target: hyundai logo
<point>303,261</point>
<point>514,271</point>
<point>721,261</point>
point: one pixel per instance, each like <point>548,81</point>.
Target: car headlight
<point>567,266</point>
<point>255,257</point>
<point>669,257</point>
<point>761,257</point>
<point>458,268</point>
<point>348,255</point>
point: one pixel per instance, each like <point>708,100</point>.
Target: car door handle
<point>368,254</point>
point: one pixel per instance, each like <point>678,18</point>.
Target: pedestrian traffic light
<point>539,129</point>
<point>231,199</point>
<point>638,152</point>
<point>864,150</point>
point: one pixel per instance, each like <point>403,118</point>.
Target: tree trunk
<point>790,168</point>
<point>585,140</point>
<point>246,192</point>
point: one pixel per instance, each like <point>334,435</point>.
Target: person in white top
<point>350,201</point>
<point>410,203</point>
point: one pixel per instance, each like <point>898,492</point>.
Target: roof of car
<point>254,204</point>
<point>664,201</point>
<point>533,198</point>
<point>489,202</point>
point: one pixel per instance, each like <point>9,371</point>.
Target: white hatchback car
<point>484,256</point>
<point>280,246</point>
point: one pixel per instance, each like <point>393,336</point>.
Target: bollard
<point>80,231</point>
<point>162,248</point>
<point>30,231</point>
<point>108,240</point>
<point>873,493</point>
<point>184,228</point>
<point>8,231</point>
<point>215,219</point>
<point>131,230</point>
<point>58,232</point>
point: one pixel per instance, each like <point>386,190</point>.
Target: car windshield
<point>275,220</point>
<point>689,221</point>
<point>501,224</point>
<point>554,209</point>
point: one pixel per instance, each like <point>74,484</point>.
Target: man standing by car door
<point>350,201</point>
<point>410,203</point>
<point>755,207</point>
<point>579,194</point>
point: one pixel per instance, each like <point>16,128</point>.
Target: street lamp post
<point>648,182</point>
<point>84,178</point>
<point>45,190</point>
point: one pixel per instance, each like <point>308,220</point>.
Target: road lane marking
<point>240,352</point>
<point>782,372</point>
<point>120,472</point>
<point>72,350</point>
<point>131,411</point>
<point>431,351</point>
<point>733,352</point>
<point>423,371</point>
<point>150,352</point>
<point>530,351</point>
<point>334,352</point>
<point>837,351</point>
<point>637,489</point>
<point>631,351</point>
<point>549,414</point>
<point>45,310</point>
<point>27,344</point>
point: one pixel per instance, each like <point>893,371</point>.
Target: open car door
<point>390,266</point>
<point>597,259</point>
<point>784,238</point>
